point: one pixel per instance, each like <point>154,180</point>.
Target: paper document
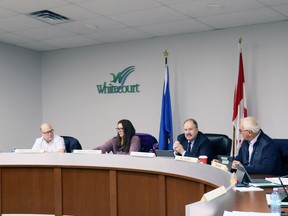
<point>265,184</point>
<point>238,213</point>
<point>246,189</point>
<point>88,151</point>
<point>276,180</point>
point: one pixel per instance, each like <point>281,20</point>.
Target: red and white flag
<point>239,108</point>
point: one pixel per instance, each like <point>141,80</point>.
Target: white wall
<point>20,96</point>
<point>203,70</point>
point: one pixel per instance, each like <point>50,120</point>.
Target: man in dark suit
<point>193,142</point>
<point>258,153</point>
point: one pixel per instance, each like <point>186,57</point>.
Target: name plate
<point>219,166</point>
<point>188,159</point>
<point>29,151</point>
<point>214,193</point>
<point>143,154</point>
<point>86,151</point>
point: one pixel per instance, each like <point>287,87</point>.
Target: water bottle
<point>275,202</point>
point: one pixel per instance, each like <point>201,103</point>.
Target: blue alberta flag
<point>166,126</point>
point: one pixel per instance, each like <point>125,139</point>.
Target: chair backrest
<point>221,144</point>
<point>71,143</point>
<point>148,142</point>
<point>282,145</point>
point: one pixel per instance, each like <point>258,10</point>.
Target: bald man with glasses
<point>258,153</point>
<point>49,142</point>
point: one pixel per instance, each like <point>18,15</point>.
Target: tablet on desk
<point>260,182</point>
<point>164,153</point>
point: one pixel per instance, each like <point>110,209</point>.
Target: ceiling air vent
<point>49,17</point>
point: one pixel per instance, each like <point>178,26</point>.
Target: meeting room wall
<point>203,73</point>
<point>20,96</point>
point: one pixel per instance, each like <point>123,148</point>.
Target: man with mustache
<point>192,143</point>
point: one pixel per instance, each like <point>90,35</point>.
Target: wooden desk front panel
<point>85,192</point>
<point>181,192</point>
<point>27,190</point>
<point>139,190</point>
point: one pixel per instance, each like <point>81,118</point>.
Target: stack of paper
<point>143,154</point>
<point>247,189</point>
<point>29,151</point>
<point>276,180</point>
<point>238,213</point>
<point>86,151</point>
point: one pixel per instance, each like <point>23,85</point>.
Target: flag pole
<point>166,125</point>
<point>166,53</point>
<point>235,138</point>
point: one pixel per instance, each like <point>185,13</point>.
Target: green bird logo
<point>121,76</point>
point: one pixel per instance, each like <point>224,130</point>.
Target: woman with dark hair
<point>125,142</point>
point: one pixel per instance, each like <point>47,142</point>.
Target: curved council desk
<point>112,185</point>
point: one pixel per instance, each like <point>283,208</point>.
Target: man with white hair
<point>258,153</point>
<point>49,141</point>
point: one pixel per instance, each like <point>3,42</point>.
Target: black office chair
<point>148,142</point>
<point>282,145</point>
<point>71,143</point>
<point>221,144</point>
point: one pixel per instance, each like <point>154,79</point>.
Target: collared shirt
<point>251,146</point>
<point>53,146</point>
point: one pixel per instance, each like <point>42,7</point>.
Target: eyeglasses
<point>119,129</point>
<point>48,132</point>
<point>240,131</point>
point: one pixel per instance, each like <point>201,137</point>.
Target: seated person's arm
<point>107,146</point>
<point>60,145</point>
<point>135,144</point>
<point>177,147</point>
<point>235,163</point>
<point>60,150</point>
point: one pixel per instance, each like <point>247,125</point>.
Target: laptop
<point>241,171</point>
<point>164,153</point>
<point>225,160</point>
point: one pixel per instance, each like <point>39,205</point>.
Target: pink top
<point>111,145</point>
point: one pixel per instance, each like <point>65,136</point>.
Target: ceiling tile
<point>283,9</point>
<point>176,27</point>
<point>74,12</point>
<point>28,6</point>
<point>38,45</point>
<point>92,25</point>
<point>256,16</point>
<point>45,33</point>
<point>206,8</point>
<point>274,2</point>
<point>118,35</point>
<point>14,38</point>
<point>6,13</point>
<point>149,16</point>
<point>111,7</point>
<point>19,22</point>
<point>73,41</point>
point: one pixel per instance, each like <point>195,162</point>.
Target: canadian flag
<point>239,108</point>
